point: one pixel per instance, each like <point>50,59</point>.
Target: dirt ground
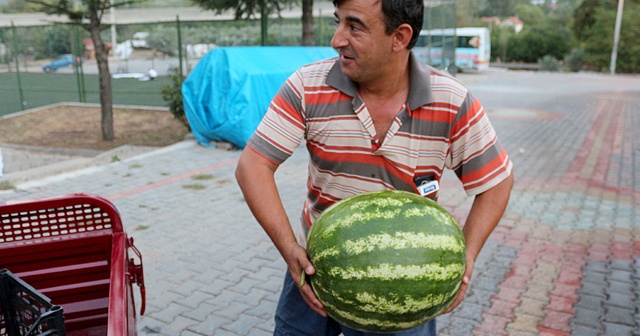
<point>68,126</point>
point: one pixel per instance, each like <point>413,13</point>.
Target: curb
<point>68,168</point>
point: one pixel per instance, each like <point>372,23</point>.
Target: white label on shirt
<point>428,188</point>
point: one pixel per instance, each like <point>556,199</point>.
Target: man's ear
<point>403,35</point>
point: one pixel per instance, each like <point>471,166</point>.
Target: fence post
<point>443,60</point>
<point>320,27</point>
<point>454,70</point>
<point>8,41</point>
<point>76,65</point>
<point>179,47</point>
<point>263,23</point>
<point>17,58</point>
<point>83,89</point>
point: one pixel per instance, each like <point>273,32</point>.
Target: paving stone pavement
<point>564,260</point>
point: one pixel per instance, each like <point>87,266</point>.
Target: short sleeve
<point>476,156</point>
<point>283,126</point>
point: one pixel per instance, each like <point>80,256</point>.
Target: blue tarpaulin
<point>229,90</point>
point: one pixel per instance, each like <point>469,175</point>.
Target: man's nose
<point>338,40</point>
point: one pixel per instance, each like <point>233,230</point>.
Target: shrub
<point>172,94</point>
<point>548,63</point>
<point>575,59</point>
<point>534,43</point>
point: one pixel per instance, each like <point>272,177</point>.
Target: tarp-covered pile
<point>228,92</point>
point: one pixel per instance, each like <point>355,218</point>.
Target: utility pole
<point>616,38</point>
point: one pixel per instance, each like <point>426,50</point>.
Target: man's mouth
<point>346,57</point>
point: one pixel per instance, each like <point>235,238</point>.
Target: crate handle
<point>136,275</point>
<point>41,318</point>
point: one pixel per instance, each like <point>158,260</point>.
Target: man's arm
<point>485,213</point>
<point>255,176</point>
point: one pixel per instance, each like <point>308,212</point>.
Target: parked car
<point>139,40</point>
<point>58,62</point>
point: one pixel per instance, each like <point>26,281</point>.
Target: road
<point>136,64</point>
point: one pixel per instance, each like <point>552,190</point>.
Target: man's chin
<point>348,69</point>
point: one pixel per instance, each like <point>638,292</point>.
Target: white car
<point>139,40</point>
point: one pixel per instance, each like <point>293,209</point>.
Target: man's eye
<point>336,22</point>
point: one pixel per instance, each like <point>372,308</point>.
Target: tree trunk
<point>308,35</point>
<point>104,79</point>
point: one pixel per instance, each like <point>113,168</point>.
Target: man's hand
<point>297,260</point>
<point>255,177</point>
<point>466,278</point>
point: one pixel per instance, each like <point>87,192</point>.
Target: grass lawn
<point>41,89</point>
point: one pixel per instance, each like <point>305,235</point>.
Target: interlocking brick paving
<point>564,260</point>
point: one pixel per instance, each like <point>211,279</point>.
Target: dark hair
<point>397,12</point>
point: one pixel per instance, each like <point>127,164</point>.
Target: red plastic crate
<point>73,249</point>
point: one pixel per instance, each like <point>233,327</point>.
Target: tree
<point>584,16</point>
<point>597,37</point>
<point>500,37</point>
<point>501,8</point>
<point>529,14</point>
<point>245,9</point>
<point>17,6</point>
<point>308,34</point>
<point>88,15</point>
<point>533,43</point>
<point>53,40</point>
<point>468,13</point>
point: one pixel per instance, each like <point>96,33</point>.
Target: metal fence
<point>26,54</point>
<point>27,78</point>
<point>441,14</point>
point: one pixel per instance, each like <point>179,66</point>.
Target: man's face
<point>360,39</point>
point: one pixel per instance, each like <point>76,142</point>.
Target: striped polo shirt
<point>440,126</point>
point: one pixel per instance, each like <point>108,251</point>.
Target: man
<point>374,118</point>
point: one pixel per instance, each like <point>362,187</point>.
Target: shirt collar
<point>419,83</point>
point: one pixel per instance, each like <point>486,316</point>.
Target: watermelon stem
<point>302,276</point>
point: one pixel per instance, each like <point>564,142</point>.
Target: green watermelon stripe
<point>378,202</point>
<point>422,212</point>
<point>373,303</point>
<point>375,323</point>
<point>328,252</point>
<point>388,272</point>
<point>401,240</point>
<point>323,292</point>
<point>349,220</point>
<point>392,304</point>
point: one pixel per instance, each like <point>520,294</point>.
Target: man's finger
<point>311,300</point>
<point>460,296</point>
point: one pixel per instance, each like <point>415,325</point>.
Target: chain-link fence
<point>40,65</point>
<point>437,43</point>
<point>46,64</point>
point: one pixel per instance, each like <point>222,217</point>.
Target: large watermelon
<point>386,261</point>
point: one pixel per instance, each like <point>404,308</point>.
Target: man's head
<point>371,49</point>
<point>397,12</point>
